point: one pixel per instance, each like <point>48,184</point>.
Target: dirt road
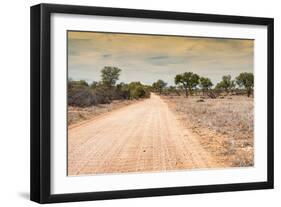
<point>145,136</point>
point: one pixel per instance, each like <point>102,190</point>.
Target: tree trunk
<point>186,93</point>
<point>248,92</point>
<point>190,91</point>
<point>226,90</point>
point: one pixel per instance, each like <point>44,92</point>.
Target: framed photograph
<point>132,103</point>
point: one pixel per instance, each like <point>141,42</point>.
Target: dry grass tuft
<point>78,114</point>
<point>225,126</point>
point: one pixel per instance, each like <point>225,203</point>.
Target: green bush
<point>81,94</point>
<point>137,90</point>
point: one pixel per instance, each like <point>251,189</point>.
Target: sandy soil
<point>225,126</point>
<point>145,136</point>
<point>81,114</point>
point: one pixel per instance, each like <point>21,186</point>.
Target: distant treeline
<point>82,94</point>
<point>192,83</point>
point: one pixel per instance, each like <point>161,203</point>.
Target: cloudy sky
<point>147,58</point>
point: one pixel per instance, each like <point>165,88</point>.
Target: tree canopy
<point>110,75</point>
<point>246,80</point>
<point>226,83</point>
<point>159,85</point>
<point>188,80</point>
<point>205,83</point>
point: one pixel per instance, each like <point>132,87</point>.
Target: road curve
<point>145,136</point>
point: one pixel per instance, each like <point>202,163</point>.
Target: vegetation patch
<point>78,114</point>
<point>225,126</point>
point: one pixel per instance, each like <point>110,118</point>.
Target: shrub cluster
<point>81,94</point>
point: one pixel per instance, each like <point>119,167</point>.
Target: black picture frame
<point>40,184</point>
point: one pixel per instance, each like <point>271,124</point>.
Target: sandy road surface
<point>145,136</point>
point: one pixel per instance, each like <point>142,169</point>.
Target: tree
<point>205,83</point>
<point>159,85</point>
<point>110,75</point>
<point>226,83</point>
<point>246,80</point>
<point>188,80</point>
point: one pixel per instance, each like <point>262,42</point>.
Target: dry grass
<point>78,114</point>
<point>224,125</point>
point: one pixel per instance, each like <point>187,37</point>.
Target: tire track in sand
<point>145,136</point>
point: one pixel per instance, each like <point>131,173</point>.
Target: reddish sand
<point>145,136</point>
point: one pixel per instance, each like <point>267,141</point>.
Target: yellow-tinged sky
<point>147,58</point>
